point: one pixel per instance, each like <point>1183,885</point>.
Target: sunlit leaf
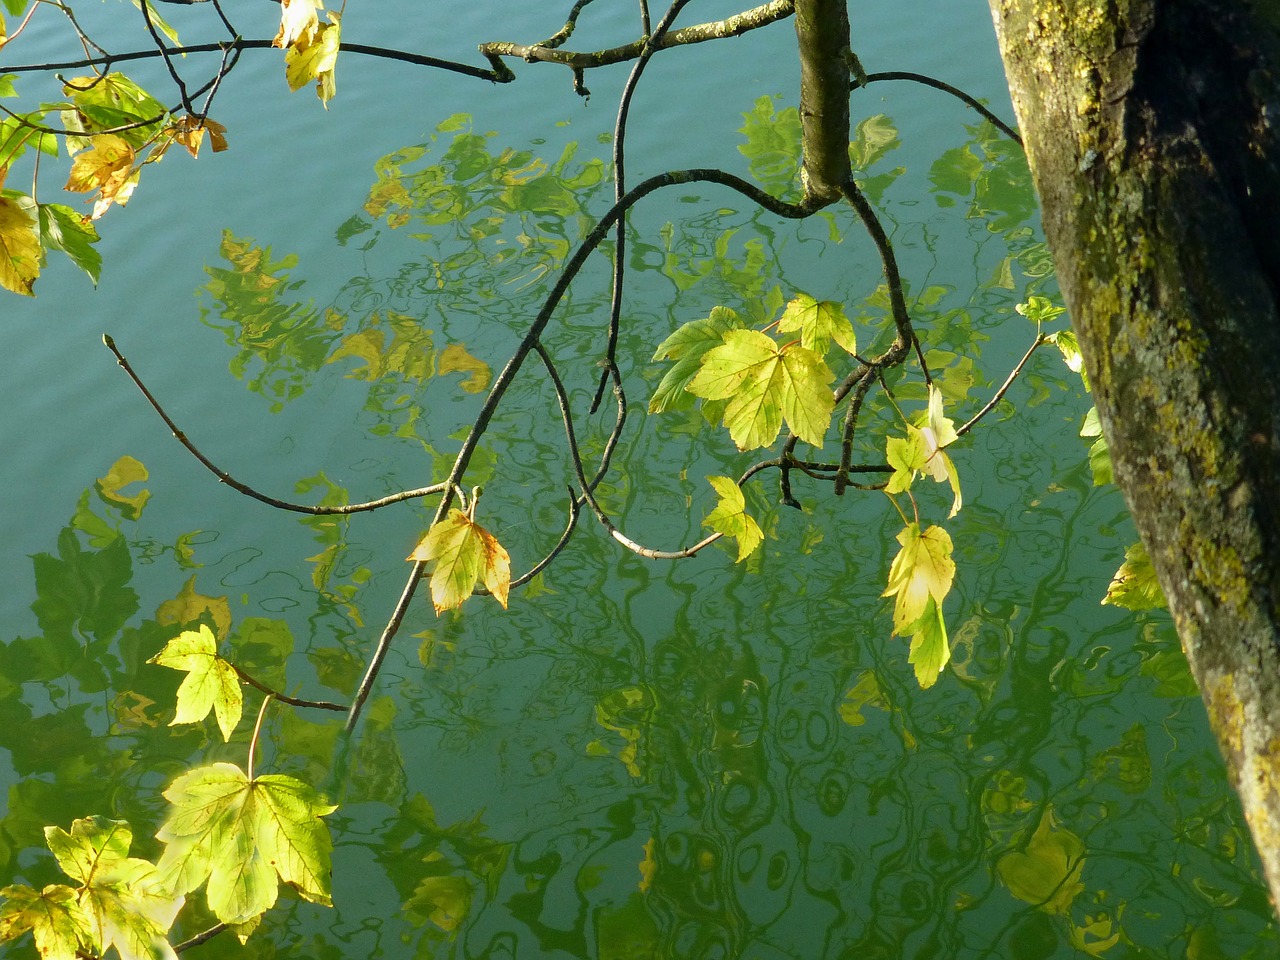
<point>54,917</point>
<point>686,347</point>
<point>314,56</point>
<point>1047,873</point>
<point>297,19</point>
<point>442,900</point>
<point>7,89</point>
<point>764,384</point>
<point>1135,586</point>
<point>240,837</point>
<point>1100,463</point>
<point>929,651</point>
<point>19,246</point>
<point>1039,309</point>
<point>107,167</point>
<point>907,457</point>
<point>463,552</point>
<point>730,517</point>
<point>211,682</point>
<point>819,322</point>
<point>189,131</point>
<point>110,101</point>
<point>62,228</point>
<point>922,570</point>
<point>159,22</point>
<point>127,906</point>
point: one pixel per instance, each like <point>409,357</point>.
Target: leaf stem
<point>257,729</point>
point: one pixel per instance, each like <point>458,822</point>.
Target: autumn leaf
<point>463,552</point>
<point>20,251</point>
<point>61,929</point>
<point>455,359</point>
<point>687,346</point>
<point>1135,586</point>
<point>937,432</point>
<point>929,651</point>
<point>189,131</point>
<point>107,167</point>
<point>241,837</point>
<point>764,384</point>
<point>923,569</point>
<point>313,55</point>
<point>298,18</point>
<point>730,517</point>
<point>126,904</point>
<point>819,322</point>
<point>211,682</point>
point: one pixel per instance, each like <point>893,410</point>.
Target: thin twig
<point>203,937</point>
<point>956,92</point>
<point>244,488</point>
<point>1039,341</point>
<point>285,698</point>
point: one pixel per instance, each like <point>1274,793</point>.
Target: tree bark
<point>1151,128</point>
<point>822,29</point>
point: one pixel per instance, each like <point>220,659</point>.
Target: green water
<point>698,759</point>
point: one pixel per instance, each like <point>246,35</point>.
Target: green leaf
<point>116,101</point>
<point>1135,586</point>
<point>61,929</point>
<point>907,457</point>
<point>819,323</point>
<point>463,552</point>
<point>922,570</point>
<point>127,906</point>
<point>211,682</point>
<point>1039,309</point>
<point>7,89</point>
<point>240,837</point>
<point>930,651</point>
<point>686,347</point>
<point>764,384</point>
<point>1100,462</point>
<point>1069,346</point>
<point>62,228</point>
<point>730,517</point>
<point>1047,873</point>
<point>1092,426</point>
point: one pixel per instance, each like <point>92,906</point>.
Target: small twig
<point>200,938</point>
<point>1039,341</point>
<point>565,32</point>
<point>285,698</point>
<point>244,488</point>
<point>145,7</point>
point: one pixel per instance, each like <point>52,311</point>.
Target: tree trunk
<point>1151,131</point>
<point>822,29</point>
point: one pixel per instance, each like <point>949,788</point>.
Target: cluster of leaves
<point>236,835</point>
<point>111,128</point>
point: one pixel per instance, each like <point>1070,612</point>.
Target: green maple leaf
<point>819,322</point>
<point>463,552</point>
<point>126,904</point>
<point>907,457</point>
<point>730,517</point>
<point>922,570</point>
<point>211,682</point>
<point>686,347</point>
<point>930,651</point>
<point>1135,586</point>
<point>61,929</point>
<point>240,837</point>
<point>765,383</point>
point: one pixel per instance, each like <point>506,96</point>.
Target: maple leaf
<point>687,346</point>
<point>61,929</point>
<point>907,457</point>
<point>764,384</point>
<point>211,682</point>
<point>463,552</point>
<point>313,56</point>
<point>929,651</point>
<point>107,167</point>
<point>819,322</point>
<point>241,837</point>
<point>20,251</point>
<point>730,517</point>
<point>121,896</point>
<point>937,431</point>
<point>923,569</point>
<point>298,18</point>
<point>1135,586</point>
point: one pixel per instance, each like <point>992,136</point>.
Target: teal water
<point>638,759</point>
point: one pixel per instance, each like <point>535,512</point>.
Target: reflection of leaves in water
<point>1046,873</point>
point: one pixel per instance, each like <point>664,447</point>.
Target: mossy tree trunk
<point>1153,131</point>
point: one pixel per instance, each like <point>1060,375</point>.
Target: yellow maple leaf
<point>922,569</point>
<point>107,166</point>
<point>298,18</point>
<point>313,55</point>
<point>463,552</point>
<point>19,247</point>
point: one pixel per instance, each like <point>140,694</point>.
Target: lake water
<point>697,759</point>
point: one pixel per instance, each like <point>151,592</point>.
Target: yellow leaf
<point>189,131</point>
<point>211,682</point>
<point>107,167</point>
<point>19,247</point>
<point>188,606</point>
<point>923,569</point>
<point>819,322</point>
<point>730,517</point>
<point>1047,873</point>
<point>463,551</point>
<point>298,18</point>
<point>313,56</point>
<point>124,472</point>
